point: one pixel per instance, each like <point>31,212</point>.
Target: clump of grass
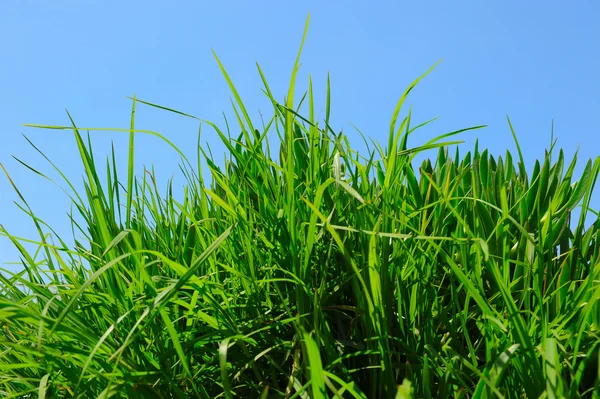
<point>313,272</point>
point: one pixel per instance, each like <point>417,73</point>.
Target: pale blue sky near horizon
<point>536,62</point>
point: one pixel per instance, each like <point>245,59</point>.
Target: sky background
<point>535,61</point>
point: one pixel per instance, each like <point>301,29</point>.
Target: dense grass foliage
<point>314,272</point>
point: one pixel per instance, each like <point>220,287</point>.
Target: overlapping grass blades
<point>317,272</point>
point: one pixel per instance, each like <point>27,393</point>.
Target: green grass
<point>312,272</point>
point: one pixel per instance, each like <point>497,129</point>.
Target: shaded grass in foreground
<point>313,272</point>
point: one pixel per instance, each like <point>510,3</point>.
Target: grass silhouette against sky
<point>295,267</point>
<point>535,62</point>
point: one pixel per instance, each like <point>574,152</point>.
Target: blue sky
<point>534,61</point>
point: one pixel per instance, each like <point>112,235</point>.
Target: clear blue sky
<point>534,61</point>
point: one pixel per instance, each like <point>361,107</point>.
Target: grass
<point>312,272</point>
